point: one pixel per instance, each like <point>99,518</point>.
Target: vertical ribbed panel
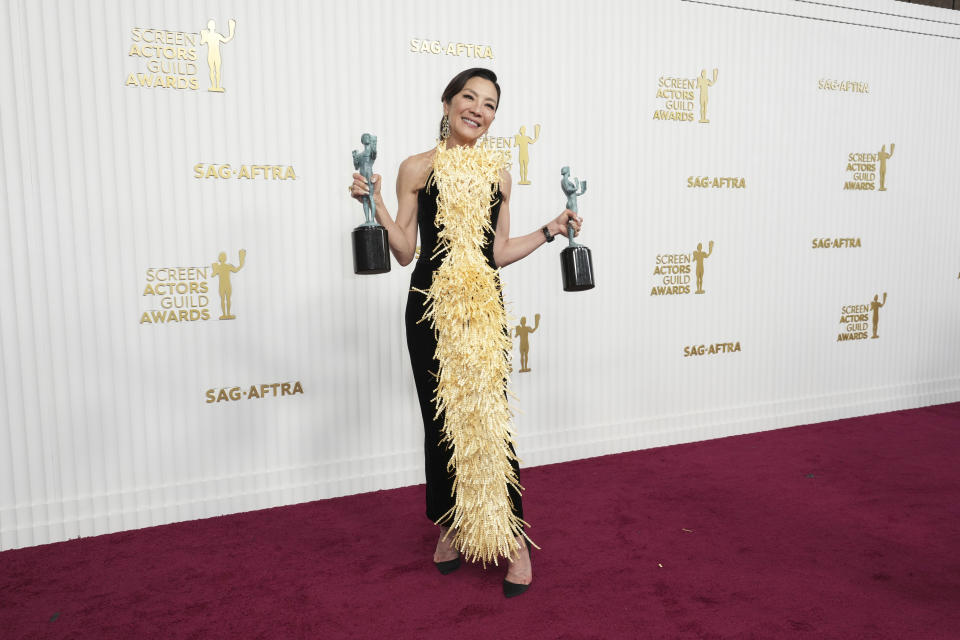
<point>105,424</point>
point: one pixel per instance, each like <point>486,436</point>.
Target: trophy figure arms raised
<point>371,248</point>
<point>576,261</point>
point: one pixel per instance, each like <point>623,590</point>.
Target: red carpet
<point>847,529</point>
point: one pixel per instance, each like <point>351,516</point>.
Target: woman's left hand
<point>558,227</point>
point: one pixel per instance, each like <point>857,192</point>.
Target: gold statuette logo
<point>679,93</point>
<point>868,171</point>
<point>698,257</point>
<point>704,84</point>
<point>222,270</point>
<point>523,331</point>
<point>523,142</point>
<point>858,319</point>
<point>519,141</point>
<point>213,40</point>
<point>875,308</point>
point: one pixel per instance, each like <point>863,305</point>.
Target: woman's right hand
<point>359,188</point>
<point>558,227</point>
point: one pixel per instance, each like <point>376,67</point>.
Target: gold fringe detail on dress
<point>465,307</point>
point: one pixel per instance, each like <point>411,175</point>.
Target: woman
<point>459,196</point>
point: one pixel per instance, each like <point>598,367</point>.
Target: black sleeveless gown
<point>422,344</point>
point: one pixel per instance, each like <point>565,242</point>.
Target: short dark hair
<point>456,84</point>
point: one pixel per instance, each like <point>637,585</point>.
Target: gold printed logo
<point>856,320</point>
<point>168,59</point>
<point>176,294</point>
<point>523,331</point>
<point>678,95</point>
<point>182,294</point>
<point>711,349</point>
<point>254,392</point>
<point>868,171</point>
<point>836,243</point>
<point>706,182</point>
<point>672,272</point>
<point>843,85</point>
<point>203,171</point>
<point>213,40</point>
<point>451,49</point>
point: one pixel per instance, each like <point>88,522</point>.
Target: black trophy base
<point>371,250</point>
<point>576,264</point>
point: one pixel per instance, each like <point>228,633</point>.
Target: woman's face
<point>471,111</point>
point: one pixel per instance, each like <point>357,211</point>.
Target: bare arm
<point>402,232</point>
<point>507,250</point>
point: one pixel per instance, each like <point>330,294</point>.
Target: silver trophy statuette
<point>371,248</point>
<point>576,261</point>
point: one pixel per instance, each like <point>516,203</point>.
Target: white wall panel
<point>105,424</point>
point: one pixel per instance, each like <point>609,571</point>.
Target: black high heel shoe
<point>512,589</point>
<point>448,566</point>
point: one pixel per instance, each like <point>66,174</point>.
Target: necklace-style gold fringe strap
<point>465,307</point>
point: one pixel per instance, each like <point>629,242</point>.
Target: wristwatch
<point>546,233</point>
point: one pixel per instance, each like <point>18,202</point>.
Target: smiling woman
<point>473,96</point>
<point>457,195</point>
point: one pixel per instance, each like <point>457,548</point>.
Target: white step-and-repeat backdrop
<point>771,210</point>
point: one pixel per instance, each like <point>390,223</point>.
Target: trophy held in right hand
<point>576,261</point>
<point>371,248</point>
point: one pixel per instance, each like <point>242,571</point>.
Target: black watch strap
<point>546,233</point>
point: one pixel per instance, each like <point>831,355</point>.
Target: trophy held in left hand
<point>576,261</point>
<point>371,248</point>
